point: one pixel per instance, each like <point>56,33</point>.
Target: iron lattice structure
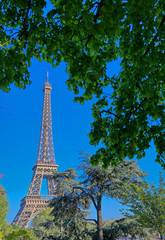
<point>33,202</point>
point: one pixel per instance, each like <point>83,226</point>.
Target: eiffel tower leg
<point>36,182</point>
<point>30,207</point>
<point>23,217</point>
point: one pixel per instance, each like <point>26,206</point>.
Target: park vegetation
<point>68,218</point>
<point>88,35</point>
<point>147,205</point>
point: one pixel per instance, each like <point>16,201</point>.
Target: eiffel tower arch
<point>33,202</point>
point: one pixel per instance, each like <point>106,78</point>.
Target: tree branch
<point>13,34</point>
<point>89,38</point>
<point>9,39</point>
<point>105,93</point>
<point>26,16</point>
<point>73,35</point>
<point>154,38</point>
<point>98,10</point>
<point>140,105</point>
<point>94,5</point>
<point>92,198</point>
<point>137,108</point>
<point>88,219</point>
<point>111,113</point>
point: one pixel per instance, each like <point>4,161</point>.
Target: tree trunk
<point>99,220</point>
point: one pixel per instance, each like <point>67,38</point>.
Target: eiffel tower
<point>33,202</point>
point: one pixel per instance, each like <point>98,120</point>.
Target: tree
<point>147,205</point>
<point>65,218</point>
<point>68,205</point>
<point>3,210</point>
<point>127,227</point>
<point>112,182</point>
<point>44,226</point>
<point>88,35</point>
<point>95,184</point>
<point>39,221</point>
<point>21,234</point>
<point>77,228</point>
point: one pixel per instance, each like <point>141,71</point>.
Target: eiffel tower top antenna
<point>47,75</point>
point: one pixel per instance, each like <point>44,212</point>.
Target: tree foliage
<point>70,206</point>
<point>88,35</point>
<point>125,227</point>
<point>77,228</point>
<point>4,203</point>
<point>49,226</point>
<point>112,182</point>
<point>43,225</point>
<point>43,216</point>
<point>65,217</point>
<point>20,234</point>
<point>68,203</point>
<point>147,205</point>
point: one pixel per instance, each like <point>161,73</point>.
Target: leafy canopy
<point>4,203</point>
<point>68,202</point>
<point>112,182</point>
<point>127,227</point>
<point>88,35</point>
<point>21,234</point>
<point>147,205</point>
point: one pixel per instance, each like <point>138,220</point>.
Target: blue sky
<point>20,122</point>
